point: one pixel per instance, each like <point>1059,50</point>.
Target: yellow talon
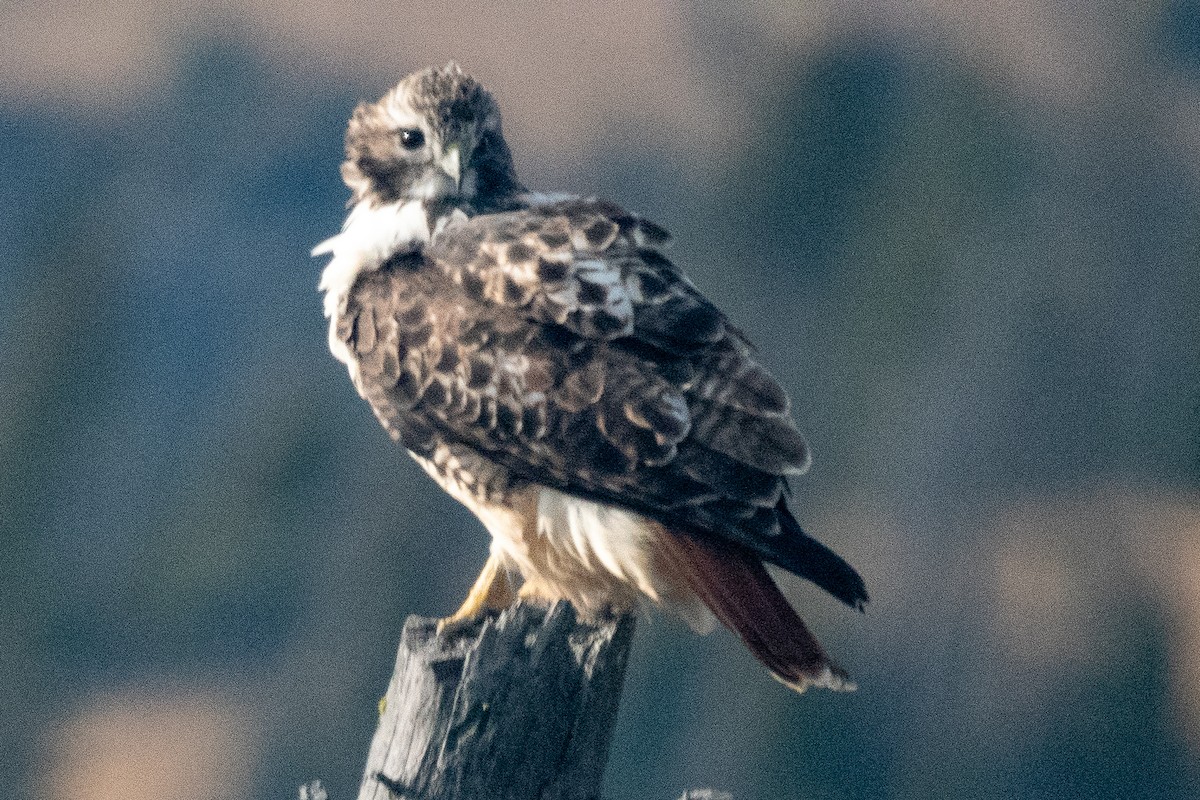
<point>492,589</point>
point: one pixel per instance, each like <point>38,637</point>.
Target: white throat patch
<point>370,236</point>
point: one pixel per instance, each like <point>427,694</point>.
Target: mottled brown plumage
<point>548,364</point>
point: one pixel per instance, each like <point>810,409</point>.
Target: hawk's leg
<point>492,589</point>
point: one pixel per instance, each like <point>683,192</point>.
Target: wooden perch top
<point>515,707</point>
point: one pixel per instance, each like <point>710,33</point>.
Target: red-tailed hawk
<point>551,369</point>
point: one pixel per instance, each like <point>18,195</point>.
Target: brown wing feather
<point>560,342</point>
<point>585,265</point>
<point>598,273</point>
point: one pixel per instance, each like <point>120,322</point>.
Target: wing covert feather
<point>561,342</point>
<point>585,265</point>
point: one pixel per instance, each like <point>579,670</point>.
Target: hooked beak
<point>451,164</point>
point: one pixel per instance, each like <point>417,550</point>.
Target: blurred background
<point>965,237</point>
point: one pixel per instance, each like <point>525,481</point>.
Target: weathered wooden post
<point>519,706</point>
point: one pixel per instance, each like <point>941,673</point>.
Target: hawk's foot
<point>492,590</point>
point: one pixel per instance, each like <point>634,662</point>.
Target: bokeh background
<point>964,235</point>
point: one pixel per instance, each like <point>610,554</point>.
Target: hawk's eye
<point>411,138</point>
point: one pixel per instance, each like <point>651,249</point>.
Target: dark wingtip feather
<point>800,553</point>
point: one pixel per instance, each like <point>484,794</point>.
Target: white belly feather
<point>595,555</point>
<point>600,556</point>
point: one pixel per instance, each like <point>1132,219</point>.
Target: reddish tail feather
<point>736,586</point>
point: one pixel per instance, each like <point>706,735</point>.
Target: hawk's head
<point>435,137</point>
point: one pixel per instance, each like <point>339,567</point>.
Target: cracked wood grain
<point>518,706</point>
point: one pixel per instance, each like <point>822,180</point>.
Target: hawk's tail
<point>736,586</point>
